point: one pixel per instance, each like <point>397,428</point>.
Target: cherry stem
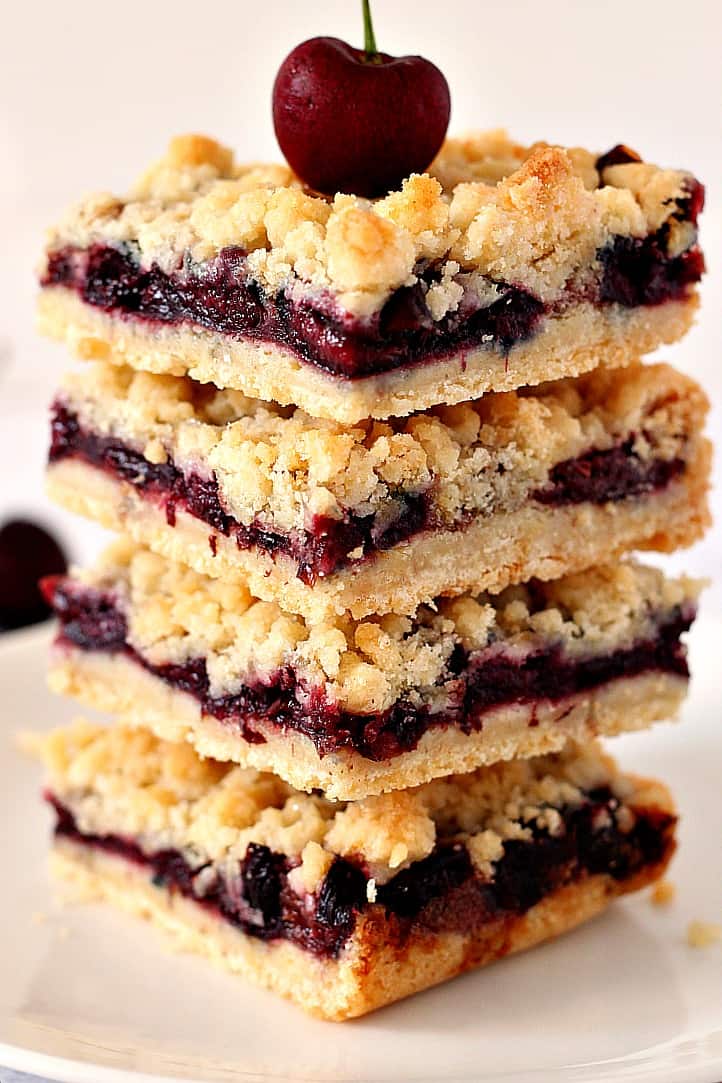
<point>369,36</point>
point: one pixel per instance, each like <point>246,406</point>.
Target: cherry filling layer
<point>221,296</point>
<point>476,682</point>
<point>441,893</point>
<point>324,547</point>
<point>317,551</point>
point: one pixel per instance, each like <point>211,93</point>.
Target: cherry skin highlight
<point>356,122</point>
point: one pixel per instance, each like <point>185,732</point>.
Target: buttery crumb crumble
<point>122,780</point>
<point>528,215</point>
<point>175,614</point>
<point>703,934</point>
<point>279,467</point>
<point>663,893</point>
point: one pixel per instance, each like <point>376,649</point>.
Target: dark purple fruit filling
<point>636,271</point>
<point>260,903</point>
<point>597,477</point>
<point>317,552</point>
<point>440,893</point>
<point>445,892</point>
<point>28,553</point>
<point>220,296</point>
<point>476,682</point>
<point>97,624</point>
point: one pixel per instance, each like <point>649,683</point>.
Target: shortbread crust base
<point>115,684</point>
<point>371,971</point>
<point>565,345</point>
<point>489,554</point>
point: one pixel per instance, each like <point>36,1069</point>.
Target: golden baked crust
<point>564,344</point>
<point>175,614</point>
<point>126,783</point>
<point>278,468</point>
<point>489,554</point>
<point>370,974</point>
<point>118,686</point>
<point>530,216</point>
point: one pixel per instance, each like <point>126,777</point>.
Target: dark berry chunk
<point>438,874</point>
<point>615,474</point>
<point>89,619</point>
<point>263,876</point>
<point>342,894</point>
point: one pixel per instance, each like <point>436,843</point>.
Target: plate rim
<point>72,1070</point>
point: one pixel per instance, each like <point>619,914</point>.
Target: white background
<point>91,91</point>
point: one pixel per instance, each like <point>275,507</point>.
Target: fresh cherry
<point>27,553</point>
<point>357,120</point>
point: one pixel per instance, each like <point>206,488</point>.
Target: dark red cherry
<point>356,120</point>
<point>27,553</point>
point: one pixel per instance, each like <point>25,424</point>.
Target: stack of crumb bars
<point>376,469</point>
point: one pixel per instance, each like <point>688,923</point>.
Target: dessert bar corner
<point>345,908</point>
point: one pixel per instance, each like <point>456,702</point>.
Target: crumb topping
<point>703,934</point>
<point>532,216</point>
<point>663,893</point>
<point>176,614</point>
<point>120,780</point>
<point>279,467</point>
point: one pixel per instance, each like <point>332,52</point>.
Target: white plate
<point>88,995</point>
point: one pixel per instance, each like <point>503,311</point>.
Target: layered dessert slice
<point>382,516</point>
<point>503,266</point>
<point>345,908</point>
<point>359,707</point>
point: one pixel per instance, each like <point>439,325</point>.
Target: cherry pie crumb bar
<point>503,266</point>
<point>346,907</point>
<point>360,707</point>
<point>382,516</point>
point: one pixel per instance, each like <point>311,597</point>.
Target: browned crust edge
<point>374,969</point>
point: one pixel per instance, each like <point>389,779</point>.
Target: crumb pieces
<point>120,780</point>
<point>284,467</point>
<point>175,613</point>
<point>155,453</point>
<point>309,875</point>
<point>702,934</point>
<point>663,893</point>
<point>29,743</point>
<point>391,831</point>
<point>533,215</point>
<point>485,847</point>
